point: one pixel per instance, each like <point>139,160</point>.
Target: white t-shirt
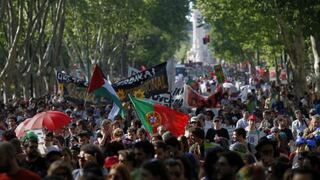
<point>254,136</point>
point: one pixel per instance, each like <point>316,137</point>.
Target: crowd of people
<point>269,135</point>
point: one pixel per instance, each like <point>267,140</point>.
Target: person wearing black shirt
<point>33,161</point>
<point>217,130</point>
<point>282,125</point>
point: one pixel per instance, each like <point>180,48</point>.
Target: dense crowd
<point>268,135</point>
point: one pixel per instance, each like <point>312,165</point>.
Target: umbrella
<point>20,129</point>
<point>52,120</point>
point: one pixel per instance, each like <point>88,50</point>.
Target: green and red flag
<point>153,115</point>
<point>101,87</point>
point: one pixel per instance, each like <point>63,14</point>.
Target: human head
<point>66,154</point>
<point>173,146</point>
<point>90,153</point>
<point>197,135</point>
<point>304,174</point>
<point>126,157</point>
<point>30,144</point>
<point>143,150</point>
<point>298,114</point>
<point>7,135</point>
<point>239,135</point>
<point>161,130</point>
<point>266,115</point>
<point>48,137</point>
<point>217,123</point>
<point>282,122</point>
<point>117,134</point>
<point>228,164</point>
<point>161,151</point>
<point>209,115</point>
<point>61,169</point>
<point>245,114</point>
<point>12,122</point>
<point>132,133</point>
<point>154,169</point>
<point>118,172</point>
<point>115,125</point>
<point>155,138</point>
<point>251,172</point>
<point>315,121</point>
<point>175,168</point>
<point>266,151</point>
<point>72,128</point>
<point>81,125</point>
<point>106,125</point>
<point>251,120</point>
<point>142,134</point>
<point>84,138</point>
<point>7,156</point>
<point>211,158</point>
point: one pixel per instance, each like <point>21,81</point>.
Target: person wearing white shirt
<point>298,125</point>
<point>243,122</point>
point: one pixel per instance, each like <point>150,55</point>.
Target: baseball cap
<point>252,117</point>
<point>110,161</point>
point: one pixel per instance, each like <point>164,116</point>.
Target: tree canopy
<point>40,37</point>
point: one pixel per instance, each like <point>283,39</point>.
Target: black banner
<point>74,89</point>
<point>63,77</point>
<point>144,84</point>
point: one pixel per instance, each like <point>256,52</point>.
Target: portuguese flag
<point>153,115</point>
<point>101,87</point>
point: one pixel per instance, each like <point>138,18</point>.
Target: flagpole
<point>85,99</point>
<point>170,100</point>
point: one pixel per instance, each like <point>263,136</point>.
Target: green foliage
<point>240,30</point>
<point>141,32</point>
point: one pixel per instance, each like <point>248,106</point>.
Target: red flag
<point>153,115</point>
<point>97,79</point>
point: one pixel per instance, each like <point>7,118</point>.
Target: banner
<point>283,77</point>
<point>219,73</point>
<point>272,74</point>
<point>74,89</point>
<point>193,98</point>
<point>63,77</point>
<point>144,84</point>
<point>174,99</point>
<point>132,71</point>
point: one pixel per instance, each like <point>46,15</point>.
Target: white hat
<point>194,119</point>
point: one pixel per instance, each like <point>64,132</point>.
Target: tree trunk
<point>315,43</point>
<point>297,60</point>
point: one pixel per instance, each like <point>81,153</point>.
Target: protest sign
<point>283,77</point>
<point>144,84</point>
<point>175,98</point>
<point>272,74</point>
<point>63,77</point>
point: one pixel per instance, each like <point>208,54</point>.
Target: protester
<point>9,168</point>
<point>217,130</point>
<point>258,131</point>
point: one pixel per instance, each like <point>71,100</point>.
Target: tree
<point>265,27</point>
